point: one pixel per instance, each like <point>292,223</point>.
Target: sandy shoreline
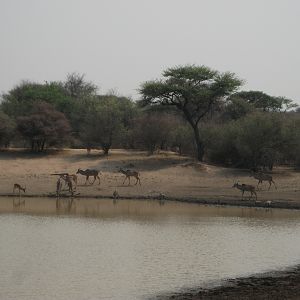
<point>178,179</point>
<point>224,202</point>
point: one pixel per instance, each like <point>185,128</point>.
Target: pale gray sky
<point>118,44</point>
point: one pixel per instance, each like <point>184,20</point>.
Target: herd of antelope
<point>260,176</point>
<point>70,181</point>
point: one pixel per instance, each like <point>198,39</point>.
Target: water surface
<point>98,249</point>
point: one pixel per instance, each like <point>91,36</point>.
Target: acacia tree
<point>265,102</point>
<point>193,90</point>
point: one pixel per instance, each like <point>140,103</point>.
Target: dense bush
<point>7,129</point>
<point>192,110</point>
<point>43,127</point>
<point>106,122</point>
<point>259,139</point>
<point>152,131</point>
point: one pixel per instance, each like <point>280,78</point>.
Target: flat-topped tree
<point>265,102</point>
<point>193,90</point>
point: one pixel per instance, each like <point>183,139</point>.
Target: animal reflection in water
<point>17,202</point>
<point>65,205</point>
<point>68,203</point>
<point>115,197</point>
<point>67,180</point>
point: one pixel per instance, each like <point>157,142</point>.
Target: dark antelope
<point>263,177</point>
<point>246,188</point>
<point>19,187</point>
<point>130,173</point>
<point>88,173</point>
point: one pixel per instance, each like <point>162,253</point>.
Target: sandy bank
<point>177,178</point>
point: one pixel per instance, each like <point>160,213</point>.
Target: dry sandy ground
<point>167,173</point>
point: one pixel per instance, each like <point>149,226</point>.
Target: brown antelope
<point>19,187</point>
<point>59,184</point>
<point>72,177</point>
<point>68,179</point>
<point>130,173</point>
<point>68,182</point>
<point>246,188</point>
<point>88,173</point>
<point>116,195</point>
<point>263,177</point>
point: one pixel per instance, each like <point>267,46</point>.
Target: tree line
<point>193,110</point>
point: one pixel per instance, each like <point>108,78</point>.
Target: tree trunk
<point>43,145</point>
<point>199,144</point>
<point>180,149</point>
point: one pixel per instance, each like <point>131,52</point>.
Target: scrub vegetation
<point>191,110</point>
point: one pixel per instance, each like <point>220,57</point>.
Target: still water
<point>97,249</point>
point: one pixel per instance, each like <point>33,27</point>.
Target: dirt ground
<point>174,176</point>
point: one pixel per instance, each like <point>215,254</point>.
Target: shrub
<point>44,127</point>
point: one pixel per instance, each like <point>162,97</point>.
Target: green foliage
<point>153,131</point>
<point>258,139</point>
<point>43,127</point>
<point>106,121</point>
<point>7,129</point>
<point>182,138</point>
<point>237,108</point>
<point>291,131</point>
<point>78,88</point>
<point>193,90</point>
<point>219,141</point>
<point>192,109</point>
<point>20,100</point>
<point>266,102</point>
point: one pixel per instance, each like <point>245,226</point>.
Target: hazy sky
<point>118,44</point>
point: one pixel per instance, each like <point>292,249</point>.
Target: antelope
<point>59,184</point>
<point>72,177</point>
<point>246,188</point>
<point>68,178</point>
<point>88,173</point>
<point>130,173</point>
<point>263,177</point>
<point>19,187</point>
<point>68,181</point>
<point>116,195</point>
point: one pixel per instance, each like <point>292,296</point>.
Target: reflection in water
<point>66,205</point>
<point>117,249</point>
<point>18,202</point>
<point>161,202</point>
